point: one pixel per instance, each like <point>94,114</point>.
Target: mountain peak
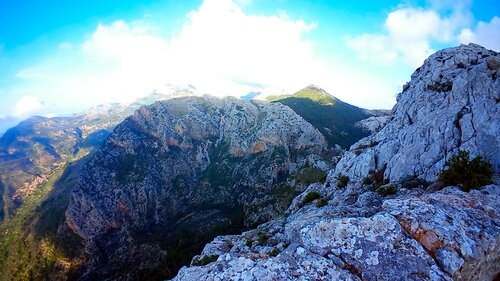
<point>316,94</point>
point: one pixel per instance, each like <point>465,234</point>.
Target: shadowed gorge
<point>35,245</point>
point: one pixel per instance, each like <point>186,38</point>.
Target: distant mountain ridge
<point>32,150</point>
<point>334,118</point>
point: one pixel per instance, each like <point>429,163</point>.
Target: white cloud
<point>243,2</point>
<point>410,32</point>
<point>486,34</point>
<point>223,50</point>
<point>222,45</point>
<point>27,106</point>
<point>219,49</point>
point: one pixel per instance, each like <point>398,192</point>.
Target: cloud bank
<point>410,32</point>
<point>224,51</point>
<point>219,49</point>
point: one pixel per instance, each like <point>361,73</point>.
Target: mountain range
<point>300,185</point>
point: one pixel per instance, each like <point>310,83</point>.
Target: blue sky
<point>60,57</point>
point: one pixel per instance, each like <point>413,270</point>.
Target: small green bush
<point>440,87</point>
<point>274,252</point>
<point>205,260</point>
<point>342,181</point>
<point>249,242</point>
<point>262,238</point>
<point>469,174</point>
<point>310,175</point>
<point>321,202</point>
<point>387,190</point>
<point>368,180</point>
<point>377,177</point>
<point>311,196</point>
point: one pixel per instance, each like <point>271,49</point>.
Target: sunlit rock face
<point>451,103</point>
<point>183,169</point>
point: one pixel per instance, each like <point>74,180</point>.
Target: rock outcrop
<point>374,123</point>
<point>451,103</point>
<point>180,171</point>
<point>444,235</point>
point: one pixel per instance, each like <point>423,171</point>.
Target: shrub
<point>387,190</point>
<point>469,174</point>
<point>368,180</point>
<point>205,260</point>
<point>321,202</point>
<point>377,177</point>
<point>311,196</point>
<point>262,238</point>
<point>342,181</point>
<point>249,242</point>
<point>274,252</point>
<point>440,87</point>
<point>310,175</point>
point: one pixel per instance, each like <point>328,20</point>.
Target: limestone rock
<point>451,103</point>
<point>460,229</point>
<point>446,235</point>
<point>294,263</point>
<point>374,123</point>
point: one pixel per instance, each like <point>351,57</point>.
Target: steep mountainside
<point>334,118</point>
<point>35,148</point>
<point>178,172</point>
<point>40,161</point>
<point>357,230</point>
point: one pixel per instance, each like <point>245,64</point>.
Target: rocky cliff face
<point>451,103</point>
<point>350,232</point>
<point>179,171</point>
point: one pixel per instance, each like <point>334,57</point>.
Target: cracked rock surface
<point>451,103</point>
<point>445,235</point>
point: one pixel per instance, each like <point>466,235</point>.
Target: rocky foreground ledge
<point>415,235</point>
